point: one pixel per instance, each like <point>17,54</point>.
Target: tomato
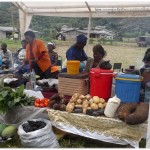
<point>42,101</point>
<point>46,100</point>
<point>37,100</point>
<point>41,105</point>
<point>46,104</point>
<point>36,104</point>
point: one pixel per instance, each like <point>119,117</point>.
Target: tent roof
<point>82,8</point>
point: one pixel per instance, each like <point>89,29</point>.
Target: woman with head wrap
<point>76,51</point>
<point>54,59</point>
<point>53,55</point>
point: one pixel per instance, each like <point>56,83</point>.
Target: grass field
<point>122,52</point>
<point>73,141</point>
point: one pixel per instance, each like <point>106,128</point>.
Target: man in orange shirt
<point>37,56</point>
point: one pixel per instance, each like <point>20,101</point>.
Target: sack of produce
<point>37,133</point>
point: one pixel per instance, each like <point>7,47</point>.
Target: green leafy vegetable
<point>10,98</point>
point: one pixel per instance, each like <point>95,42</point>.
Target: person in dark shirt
<point>76,51</point>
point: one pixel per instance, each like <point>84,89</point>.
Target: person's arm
<point>41,55</point>
<point>70,54</point>
<point>89,65</point>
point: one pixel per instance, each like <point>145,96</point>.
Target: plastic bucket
<point>73,66</point>
<point>101,82</point>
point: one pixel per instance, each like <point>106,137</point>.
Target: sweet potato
<point>140,115</point>
<point>125,109</point>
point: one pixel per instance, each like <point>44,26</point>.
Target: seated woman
<point>97,62</point>
<point>54,59</point>
<point>146,61</point>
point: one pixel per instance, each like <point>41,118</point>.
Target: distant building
<point>68,35</point>
<point>71,34</point>
<point>7,32</point>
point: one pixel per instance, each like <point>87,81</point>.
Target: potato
<point>76,95</point>
<point>94,106</point>
<point>65,101</point>
<point>51,103</point>
<point>102,100</point>
<point>79,101</point>
<point>88,96</point>
<point>100,105</point>
<point>81,97</point>
<point>70,107</point>
<point>85,104</point>
<point>126,109</point>
<point>104,104</point>
<point>84,110</point>
<point>72,100</point>
<point>63,107</point>
<point>56,106</point>
<point>56,97</point>
<point>139,116</point>
<point>91,101</point>
<point>96,99</point>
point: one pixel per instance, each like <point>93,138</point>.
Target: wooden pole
<point>12,19</point>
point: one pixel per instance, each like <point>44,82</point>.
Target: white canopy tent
<point>83,8</point>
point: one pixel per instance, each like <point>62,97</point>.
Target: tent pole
<point>28,21</point>
<point>89,27</point>
<point>88,35</point>
<point>22,20</point>
<point>25,20</point>
<point>148,131</point>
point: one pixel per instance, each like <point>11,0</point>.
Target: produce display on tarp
<point>105,119</point>
<point>100,128</point>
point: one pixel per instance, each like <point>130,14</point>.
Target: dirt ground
<point>125,53</point>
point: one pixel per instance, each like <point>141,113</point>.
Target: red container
<point>101,82</point>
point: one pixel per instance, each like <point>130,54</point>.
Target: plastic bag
<point>18,115</point>
<point>42,138</point>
